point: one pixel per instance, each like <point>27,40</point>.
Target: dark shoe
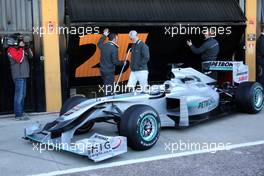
<point>26,114</point>
<point>24,118</point>
<point>17,118</point>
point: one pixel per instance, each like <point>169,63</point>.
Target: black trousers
<point>213,74</point>
<point>108,81</point>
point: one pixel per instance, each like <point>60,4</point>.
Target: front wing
<point>97,148</point>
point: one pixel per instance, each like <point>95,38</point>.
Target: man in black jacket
<point>139,62</point>
<point>209,49</point>
<point>108,61</point>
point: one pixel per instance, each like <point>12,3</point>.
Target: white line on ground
<point>154,158</point>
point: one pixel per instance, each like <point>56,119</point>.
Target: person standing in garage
<point>108,60</point>
<point>209,49</point>
<point>139,62</point>
<point>18,56</point>
<point>260,58</point>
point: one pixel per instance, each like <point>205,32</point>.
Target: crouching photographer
<point>19,51</point>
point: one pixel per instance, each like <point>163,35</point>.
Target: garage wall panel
<point>16,16</point>
<point>158,11</point>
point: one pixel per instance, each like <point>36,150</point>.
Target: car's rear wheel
<point>141,125</point>
<point>249,97</point>
<point>69,104</point>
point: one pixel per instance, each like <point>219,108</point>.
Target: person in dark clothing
<point>108,60</point>
<point>208,50</point>
<point>240,52</point>
<point>139,62</point>
<point>18,57</point>
<point>260,58</point>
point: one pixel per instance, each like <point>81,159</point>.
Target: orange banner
<point>87,70</point>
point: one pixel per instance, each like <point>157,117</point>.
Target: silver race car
<point>187,98</point>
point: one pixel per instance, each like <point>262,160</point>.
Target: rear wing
<point>239,70</point>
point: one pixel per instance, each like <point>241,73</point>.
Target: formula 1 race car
<point>187,98</point>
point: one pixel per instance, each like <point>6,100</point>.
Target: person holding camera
<point>19,64</point>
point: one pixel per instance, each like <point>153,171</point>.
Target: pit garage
<point>157,23</point>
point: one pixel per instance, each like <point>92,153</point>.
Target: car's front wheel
<point>141,125</point>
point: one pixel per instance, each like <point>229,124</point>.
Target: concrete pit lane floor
<point>198,150</point>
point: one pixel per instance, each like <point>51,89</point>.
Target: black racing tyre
<point>141,125</point>
<point>249,97</point>
<point>260,72</point>
<point>85,128</point>
<point>69,104</point>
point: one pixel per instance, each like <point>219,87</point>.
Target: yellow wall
<point>51,55</point>
<point>251,15</point>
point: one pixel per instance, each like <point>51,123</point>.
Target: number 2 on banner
<point>88,69</point>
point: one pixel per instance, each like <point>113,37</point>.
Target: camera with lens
<point>14,40</point>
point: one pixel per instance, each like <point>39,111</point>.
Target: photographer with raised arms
<point>18,54</point>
